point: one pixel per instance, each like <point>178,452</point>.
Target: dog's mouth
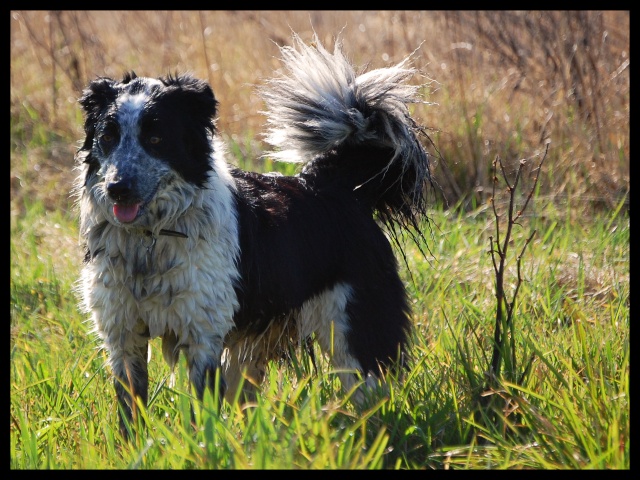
<point>126,213</point>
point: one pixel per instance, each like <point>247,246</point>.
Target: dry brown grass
<point>504,83</point>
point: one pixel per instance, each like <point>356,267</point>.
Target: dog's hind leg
<point>362,338</point>
<point>376,334</point>
<point>326,315</point>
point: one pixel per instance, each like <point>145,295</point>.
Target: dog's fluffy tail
<point>321,111</point>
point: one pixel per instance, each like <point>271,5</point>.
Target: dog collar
<point>169,233</point>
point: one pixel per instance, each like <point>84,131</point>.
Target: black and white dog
<point>233,267</point>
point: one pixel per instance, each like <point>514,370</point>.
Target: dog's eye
<point>155,140</point>
<point>107,141</point>
<point>107,138</point>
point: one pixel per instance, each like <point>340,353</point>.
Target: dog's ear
<point>98,95</point>
<point>196,95</point>
<point>95,98</point>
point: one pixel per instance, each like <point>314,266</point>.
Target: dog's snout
<point>121,190</point>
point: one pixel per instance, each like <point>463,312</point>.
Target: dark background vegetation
<point>498,83</point>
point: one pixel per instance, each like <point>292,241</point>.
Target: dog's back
<point>213,258</point>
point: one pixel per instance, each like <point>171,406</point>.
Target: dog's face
<point>142,136</point>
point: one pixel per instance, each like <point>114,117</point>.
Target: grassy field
<point>561,401</point>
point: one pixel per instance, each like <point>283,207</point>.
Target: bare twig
<point>504,331</point>
<point>499,247</point>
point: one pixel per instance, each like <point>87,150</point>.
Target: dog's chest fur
<point>135,279</point>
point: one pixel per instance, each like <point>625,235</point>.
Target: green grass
<point>570,411</point>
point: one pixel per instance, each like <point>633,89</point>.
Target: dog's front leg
<point>129,364</point>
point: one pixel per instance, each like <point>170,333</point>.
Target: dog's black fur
<point>231,266</point>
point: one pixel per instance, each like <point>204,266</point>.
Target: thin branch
<point>493,252</point>
<point>505,309</point>
<point>493,201</point>
<point>535,181</point>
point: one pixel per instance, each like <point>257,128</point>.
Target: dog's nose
<point>121,190</point>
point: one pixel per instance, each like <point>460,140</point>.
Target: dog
<point>233,267</point>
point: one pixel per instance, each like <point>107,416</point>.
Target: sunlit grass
<point>573,406</point>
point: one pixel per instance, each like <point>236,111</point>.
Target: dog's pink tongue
<point>126,213</point>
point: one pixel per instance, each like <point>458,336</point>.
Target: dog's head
<point>143,135</point>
